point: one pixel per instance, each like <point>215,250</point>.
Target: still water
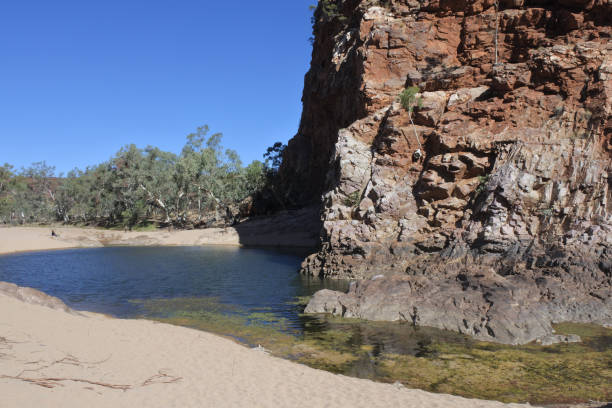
<point>256,296</point>
<point>115,280</point>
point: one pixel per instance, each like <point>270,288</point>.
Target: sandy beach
<point>291,228</point>
<point>51,356</point>
<point>20,239</point>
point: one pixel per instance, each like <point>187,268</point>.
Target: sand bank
<point>294,229</point>
<point>53,358</point>
<point>16,239</point>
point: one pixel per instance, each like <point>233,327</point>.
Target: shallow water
<point>108,280</point>
<point>255,295</point>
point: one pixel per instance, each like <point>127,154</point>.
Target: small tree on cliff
<point>329,9</point>
<point>410,100</point>
<point>274,156</point>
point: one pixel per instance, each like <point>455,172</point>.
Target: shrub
<point>483,182</point>
<point>352,199</point>
<point>409,99</point>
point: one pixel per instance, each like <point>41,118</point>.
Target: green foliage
<point>483,183</point>
<point>409,99</point>
<point>546,212</point>
<point>7,189</point>
<point>274,156</point>
<point>352,199</point>
<point>255,176</point>
<point>580,134</point>
<point>135,186</point>
<point>329,10</point>
<point>6,175</point>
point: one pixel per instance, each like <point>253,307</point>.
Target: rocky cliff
<point>491,214</point>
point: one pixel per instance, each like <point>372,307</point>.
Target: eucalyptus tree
<point>7,192</point>
<point>136,185</point>
<point>69,194</point>
<point>157,180</point>
<point>6,175</point>
<point>75,197</point>
<point>206,174</point>
<point>211,173</point>
<point>100,201</point>
<point>126,178</point>
<point>254,176</point>
<point>37,201</point>
<point>409,100</point>
<point>188,174</point>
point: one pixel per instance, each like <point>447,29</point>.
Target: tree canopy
<point>203,184</point>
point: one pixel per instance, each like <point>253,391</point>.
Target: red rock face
<point>510,155</point>
<point>533,79</point>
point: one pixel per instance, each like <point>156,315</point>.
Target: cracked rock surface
<point>503,224</point>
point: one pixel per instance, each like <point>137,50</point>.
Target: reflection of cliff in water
<point>383,337</point>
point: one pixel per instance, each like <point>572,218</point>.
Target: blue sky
<point>80,79</point>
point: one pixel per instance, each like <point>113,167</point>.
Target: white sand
<point>52,358</point>
<point>287,229</point>
<point>16,239</point>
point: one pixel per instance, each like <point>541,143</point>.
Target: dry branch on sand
<point>51,382</point>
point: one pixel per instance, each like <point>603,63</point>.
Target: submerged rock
<point>559,338</point>
<point>33,296</point>
<point>484,305</point>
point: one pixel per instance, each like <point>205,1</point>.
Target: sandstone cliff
<point>495,218</point>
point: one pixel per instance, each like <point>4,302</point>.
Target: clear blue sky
<point>79,79</point>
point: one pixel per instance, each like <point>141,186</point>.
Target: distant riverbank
<point>18,239</point>
<point>287,229</point>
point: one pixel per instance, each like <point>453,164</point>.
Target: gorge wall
<point>494,219</point>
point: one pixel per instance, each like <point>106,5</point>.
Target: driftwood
<point>51,382</point>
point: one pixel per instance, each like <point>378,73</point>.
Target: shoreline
<point>33,318</point>
<point>31,239</point>
<point>17,239</point>
<point>52,355</point>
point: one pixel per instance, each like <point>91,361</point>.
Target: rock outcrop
<point>488,210</point>
<point>33,296</point>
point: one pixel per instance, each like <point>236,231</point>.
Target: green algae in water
<point>207,313</point>
<point>300,300</point>
<point>426,358</point>
<point>158,307</point>
<point>561,373</point>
